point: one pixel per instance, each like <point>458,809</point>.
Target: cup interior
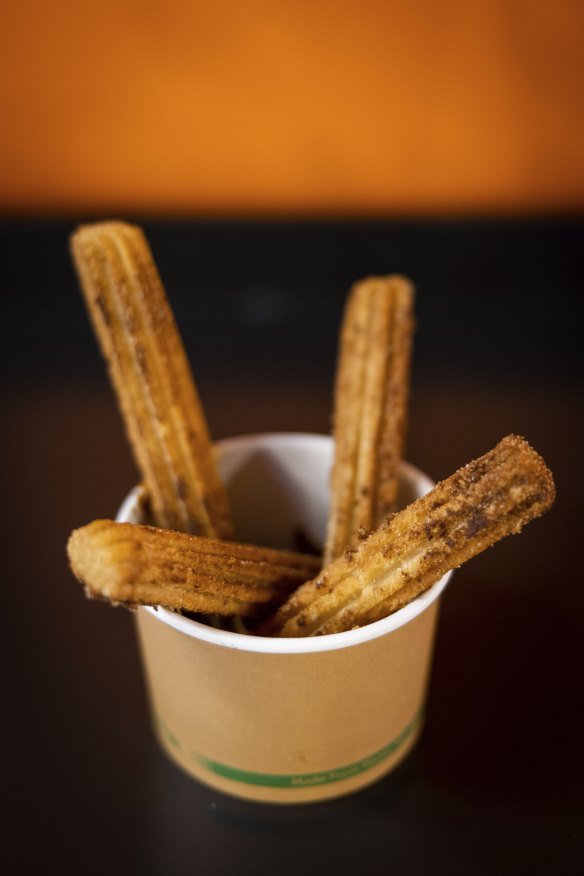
<point>278,486</point>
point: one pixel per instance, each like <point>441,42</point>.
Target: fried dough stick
<point>489,498</point>
<point>131,564</point>
<point>152,379</point>
<point>371,394</point>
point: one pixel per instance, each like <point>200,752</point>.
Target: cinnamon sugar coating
<point>152,379</point>
<point>491,497</point>
<point>133,565</point>
<point>371,394</point>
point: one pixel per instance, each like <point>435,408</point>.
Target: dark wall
<point>496,299</point>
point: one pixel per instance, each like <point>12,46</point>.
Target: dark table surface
<point>496,783</point>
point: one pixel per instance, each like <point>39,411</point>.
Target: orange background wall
<point>290,106</point>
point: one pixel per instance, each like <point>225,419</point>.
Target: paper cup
<point>287,720</point>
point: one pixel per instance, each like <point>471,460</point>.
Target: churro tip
<point>398,284</point>
<point>101,580</point>
<point>92,233</point>
<point>537,463</point>
<point>88,229</point>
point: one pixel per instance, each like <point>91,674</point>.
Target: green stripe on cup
<point>304,780</point>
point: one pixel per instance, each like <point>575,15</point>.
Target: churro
<point>133,565</point>
<point>371,394</point>
<point>491,497</point>
<point>150,373</point>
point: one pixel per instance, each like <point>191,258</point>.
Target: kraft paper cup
<point>287,720</point>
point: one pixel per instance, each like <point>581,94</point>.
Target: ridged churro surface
<point>142,565</point>
<point>489,498</point>
<point>371,394</point>
<point>149,370</point>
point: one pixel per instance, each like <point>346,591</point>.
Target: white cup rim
<point>308,644</point>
